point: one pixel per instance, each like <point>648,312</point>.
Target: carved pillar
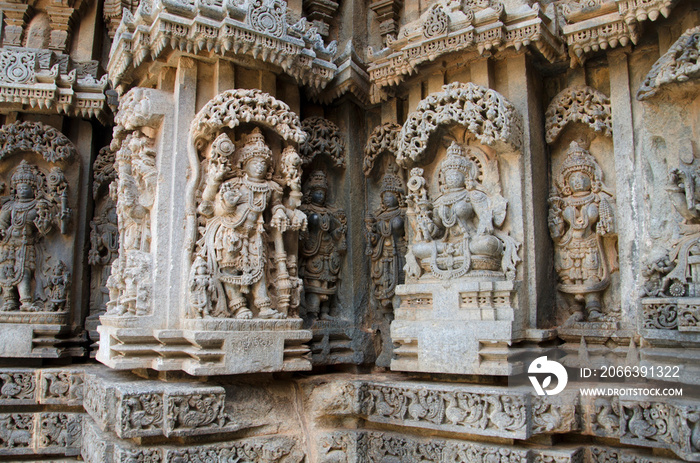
<point>14,15</point>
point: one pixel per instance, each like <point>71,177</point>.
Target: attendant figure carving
<point>457,232</point>
<point>386,241</point>
<point>37,204</point>
<point>237,231</point>
<point>580,217</point>
<point>323,247</point>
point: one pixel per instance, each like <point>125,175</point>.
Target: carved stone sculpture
<point>241,211</point>
<point>457,232</point>
<point>37,204</point>
<point>581,217</point>
<point>323,247</point>
<point>386,241</point>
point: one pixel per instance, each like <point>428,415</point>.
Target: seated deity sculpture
<point>241,212</point>
<point>580,215</point>
<point>323,246</point>
<point>35,207</point>
<point>457,232</point>
<point>386,241</point>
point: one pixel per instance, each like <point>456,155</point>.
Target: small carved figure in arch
<point>323,247</point>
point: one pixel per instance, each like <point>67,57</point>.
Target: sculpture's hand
<point>220,171</point>
<point>299,221</point>
<point>280,220</point>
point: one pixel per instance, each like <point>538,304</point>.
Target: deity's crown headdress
<point>579,159</point>
<point>24,174</point>
<point>255,147</point>
<point>317,179</point>
<point>455,159</point>
<point>392,182</point>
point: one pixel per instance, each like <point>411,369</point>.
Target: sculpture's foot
<point>269,312</point>
<point>244,314</point>
<point>9,306</point>
<point>326,316</point>
<point>594,315</point>
<point>27,306</point>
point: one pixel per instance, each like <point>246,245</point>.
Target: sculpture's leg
<point>9,301</point>
<point>24,288</point>
<point>313,304</point>
<point>237,302</point>
<point>594,308</point>
<point>262,300</point>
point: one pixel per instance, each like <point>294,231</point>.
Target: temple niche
<point>385,232</point>
<point>40,186</point>
<point>464,235</point>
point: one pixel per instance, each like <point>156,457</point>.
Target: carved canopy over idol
<point>485,113</point>
<point>246,207</point>
<point>578,104</point>
<point>35,267</point>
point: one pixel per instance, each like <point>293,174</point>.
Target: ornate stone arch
<point>323,137</point>
<point>678,64</point>
<point>384,138</point>
<point>578,104</point>
<point>37,137</point>
<point>485,113</point>
<point>230,108</point>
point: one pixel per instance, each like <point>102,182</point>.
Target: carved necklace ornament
<point>580,216</point>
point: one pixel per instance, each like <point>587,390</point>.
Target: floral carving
<point>140,415</point>
<point>485,113</point>
<point>196,411</point>
<point>323,137</point>
<point>578,104</point>
<point>16,430</point>
<point>581,217</point>
<point>437,22</point>
<point>267,16</point>
<point>35,137</point>
<point>17,66</point>
<point>61,387</point>
<point>680,63</point>
<point>384,138</point>
<point>62,430</point>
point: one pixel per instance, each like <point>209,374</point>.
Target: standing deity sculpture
<point>323,247</point>
<point>457,232</point>
<point>243,210</point>
<point>386,241</point>
<point>36,205</point>
<point>580,217</point>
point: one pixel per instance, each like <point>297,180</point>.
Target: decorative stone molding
<point>669,425</point>
<point>42,80</point>
<point>578,104</point>
<point>112,13</point>
<point>257,29</point>
<point>615,455</point>
<point>52,433</point>
<point>680,63</point>
<point>469,410</point>
<point>483,112</point>
<point>603,24</point>
<point>323,137</point>
<point>384,138</point>
<point>448,27</point>
<point>388,12</point>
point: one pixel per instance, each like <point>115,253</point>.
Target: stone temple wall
<point>354,231</point>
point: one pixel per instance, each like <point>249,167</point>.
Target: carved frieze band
<point>47,387</point>
<point>578,104</point>
<point>485,113</point>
